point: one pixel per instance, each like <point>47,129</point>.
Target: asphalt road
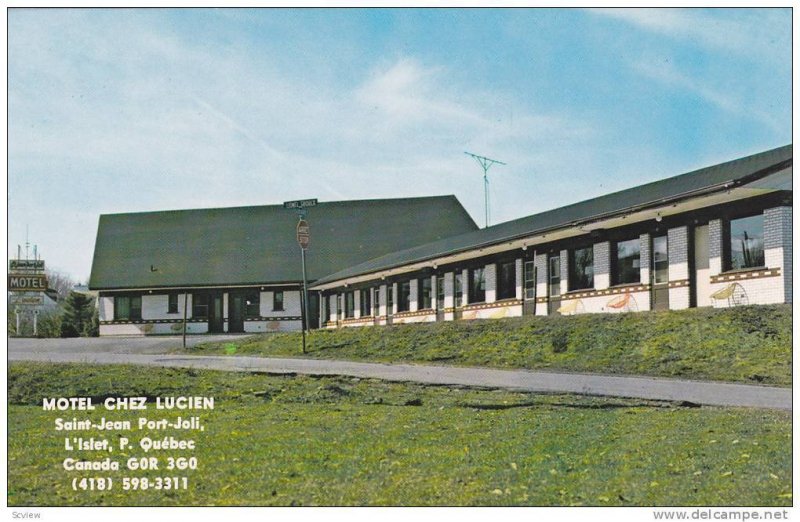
<point>153,351</point>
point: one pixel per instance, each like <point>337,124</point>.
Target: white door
<point>702,277</point>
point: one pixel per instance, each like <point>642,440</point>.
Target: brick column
<point>434,292</point>
<point>540,262</point>
<point>678,248</point>
<point>414,296</point>
<point>394,298</point>
<point>490,275</point>
<point>356,303</point>
<point>602,265</point>
<point>518,267</point>
<point>464,287</point>
<point>383,299</point>
<point>778,248</point>
<point>715,247</point>
<point>645,260</point>
<point>564,272</point>
<point>449,289</point>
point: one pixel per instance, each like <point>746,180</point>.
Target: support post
<point>185,301</point>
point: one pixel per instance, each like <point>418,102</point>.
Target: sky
<point>129,110</point>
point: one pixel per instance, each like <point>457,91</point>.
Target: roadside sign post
<point>303,239</point>
<point>35,316</point>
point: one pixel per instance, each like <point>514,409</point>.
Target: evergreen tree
<point>77,318</point>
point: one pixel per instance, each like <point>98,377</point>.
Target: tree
<point>77,317</point>
<point>60,282</point>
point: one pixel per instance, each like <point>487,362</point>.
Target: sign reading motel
<point>27,283</point>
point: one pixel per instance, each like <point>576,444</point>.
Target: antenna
<point>485,164</point>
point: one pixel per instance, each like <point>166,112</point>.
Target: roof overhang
<point>723,193</point>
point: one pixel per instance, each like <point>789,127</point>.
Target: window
<point>747,242</point>
<point>626,266</point>
<point>277,301</point>
<point>459,289</point>
<point>376,302</point>
<point>128,308</point>
<point>404,296</point>
<point>660,260</point>
<point>349,304</point>
<point>507,280</point>
<point>366,303</point>
<point>327,307</point>
<point>424,293</point>
<point>200,306</point>
<point>390,299</point>
<point>554,275</point>
<point>581,269</point>
<point>440,292</point>
<point>252,304</point>
<point>172,303</point>
<point>529,282</point>
<point>477,285</point>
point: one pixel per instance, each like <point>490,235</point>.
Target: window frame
<point>655,269</point>
<point>349,304</point>
<point>616,272</point>
<point>506,289</point>
<point>257,303</point>
<point>365,302</point>
<point>573,283</point>
<point>728,244</point>
<point>278,305</point>
<point>529,290</point>
<point>172,307</point>
<point>131,316</point>
<point>458,288</point>
<point>424,293</point>
<point>196,299</point>
<point>476,291</point>
<point>404,296</point>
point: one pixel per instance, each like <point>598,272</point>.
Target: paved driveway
<point>700,392</point>
<point>152,344</point>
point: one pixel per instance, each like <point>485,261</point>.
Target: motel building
<point>719,236</point>
<point>239,269</point>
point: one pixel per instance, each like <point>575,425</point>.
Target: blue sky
<point>135,110</point>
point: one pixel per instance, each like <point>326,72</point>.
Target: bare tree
<point>60,282</point>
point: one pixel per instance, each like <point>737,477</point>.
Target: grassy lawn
<point>749,344</point>
<point>293,440</point>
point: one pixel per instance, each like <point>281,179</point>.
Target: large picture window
<point>128,308</point>
<point>366,302</point>
<point>626,266</point>
<point>349,304</point>
<point>477,285</point>
<point>581,268</point>
<point>507,280</point>
<point>252,300</point>
<point>746,242</point>
<point>404,296</point>
<point>529,280</point>
<point>425,293</point>
<point>200,306</point>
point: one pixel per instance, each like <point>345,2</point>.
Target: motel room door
<point>236,308</point>
<point>659,274</point>
<point>554,283</point>
<point>215,315</point>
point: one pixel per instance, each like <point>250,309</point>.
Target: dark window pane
<point>581,267</point>
<point>349,304</point>
<point>277,301</point>
<point>390,299</point>
<point>252,301</point>
<point>627,265</point>
<point>554,275</point>
<point>365,304</point>
<point>477,285</point>
<point>172,303</point>
<point>507,280</point>
<point>660,260</point>
<point>424,293</point>
<point>747,242</point>
<point>440,291</point>
<point>459,289</point>
<point>376,303</point>
<point>122,308</point>
<point>200,306</point>
<point>404,299</point>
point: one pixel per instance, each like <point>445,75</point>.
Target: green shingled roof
<point>651,194</point>
<point>257,245</point>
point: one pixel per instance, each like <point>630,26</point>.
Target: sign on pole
<point>300,203</point>
<point>27,283</point>
<point>26,264</point>
<point>303,236</point>
<point>27,300</point>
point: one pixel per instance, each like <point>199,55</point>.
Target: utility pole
<point>485,164</point>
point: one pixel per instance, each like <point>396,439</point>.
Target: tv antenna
<point>486,164</point>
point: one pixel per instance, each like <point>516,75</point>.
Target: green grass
<point>748,344</point>
<point>293,440</point>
